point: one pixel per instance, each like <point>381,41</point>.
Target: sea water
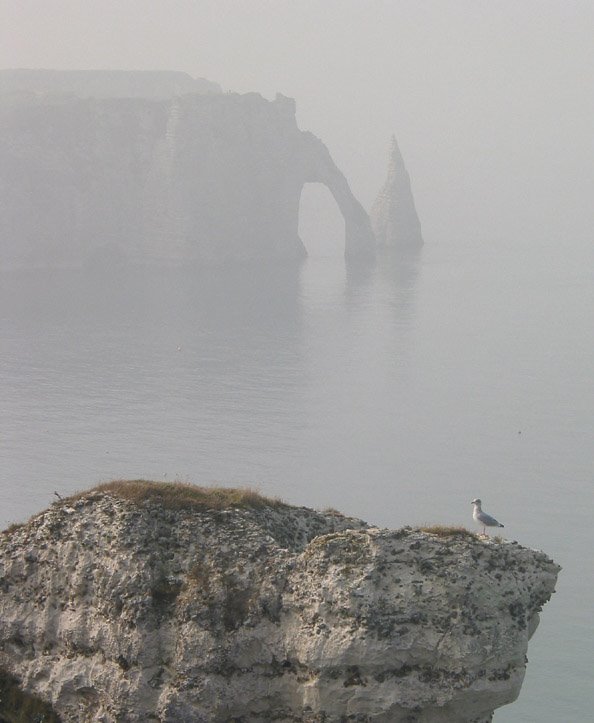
<point>396,392</point>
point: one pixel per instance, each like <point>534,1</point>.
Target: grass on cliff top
<point>448,531</point>
<point>182,495</point>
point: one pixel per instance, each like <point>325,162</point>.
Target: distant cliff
<point>139,601</point>
<point>169,174</point>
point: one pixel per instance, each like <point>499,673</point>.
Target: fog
<point>492,103</point>
<point>396,392</point>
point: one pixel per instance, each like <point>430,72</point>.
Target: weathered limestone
<point>394,216</point>
<point>115,610</point>
<point>195,178</point>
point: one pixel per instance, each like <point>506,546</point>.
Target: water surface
<point>396,393</point>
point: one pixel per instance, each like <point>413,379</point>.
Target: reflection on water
<point>397,391</point>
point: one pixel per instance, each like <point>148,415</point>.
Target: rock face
<point>205,178</point>
<point>394,216</point>
<point>121,610</point>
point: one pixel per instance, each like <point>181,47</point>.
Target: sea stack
<point>394,217</point>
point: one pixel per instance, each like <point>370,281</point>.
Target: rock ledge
<point>115,609</point>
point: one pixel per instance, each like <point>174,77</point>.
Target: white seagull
<point>482,517</point>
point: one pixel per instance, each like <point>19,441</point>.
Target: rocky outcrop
<point>394,217</point>
<point>194,178</point>
<point>132,604</point>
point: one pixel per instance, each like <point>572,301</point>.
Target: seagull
<point>482,517</point>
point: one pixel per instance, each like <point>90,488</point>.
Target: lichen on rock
<point>121,606</point>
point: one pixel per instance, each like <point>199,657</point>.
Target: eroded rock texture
<point>201,177</point>
<point>394,217</point>
<point>113,610</point>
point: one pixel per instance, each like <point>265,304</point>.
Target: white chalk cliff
<point>115,609</point>
<point>173,173</point>
<point>394,216</point>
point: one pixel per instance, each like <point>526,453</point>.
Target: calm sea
<point>396,393</point>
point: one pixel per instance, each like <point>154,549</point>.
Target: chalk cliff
<point>394,217</point>
<point>141,602</point>
<point>200,177</point>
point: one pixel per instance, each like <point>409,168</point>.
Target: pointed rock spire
<point>393,215</point>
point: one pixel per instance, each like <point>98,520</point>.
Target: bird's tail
<point>500,525</point>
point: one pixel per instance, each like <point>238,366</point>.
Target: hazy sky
<point>492,101</point>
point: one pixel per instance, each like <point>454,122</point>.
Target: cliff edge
<point>141,601</point>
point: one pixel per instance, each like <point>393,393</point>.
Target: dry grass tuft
<point>332,512</point>
<point>182,495</point>
<point>448,531</point>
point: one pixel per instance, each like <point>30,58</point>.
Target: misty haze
<point>338,254</point>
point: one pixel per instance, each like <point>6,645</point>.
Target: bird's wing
<point>487,519</point>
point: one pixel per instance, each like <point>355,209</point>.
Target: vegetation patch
<point>12,528</point>
<point>448,531</point>
<point>332,512</point>
<point>16,706</point>
<point>182,495</point>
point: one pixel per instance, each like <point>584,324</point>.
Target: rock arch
<point>320,222</point>
<point>318,167</point>
<point>193,178</point>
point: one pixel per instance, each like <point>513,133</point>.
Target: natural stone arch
<point>318,167</point>
<point>202,179</point>
<point>320,222</point>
